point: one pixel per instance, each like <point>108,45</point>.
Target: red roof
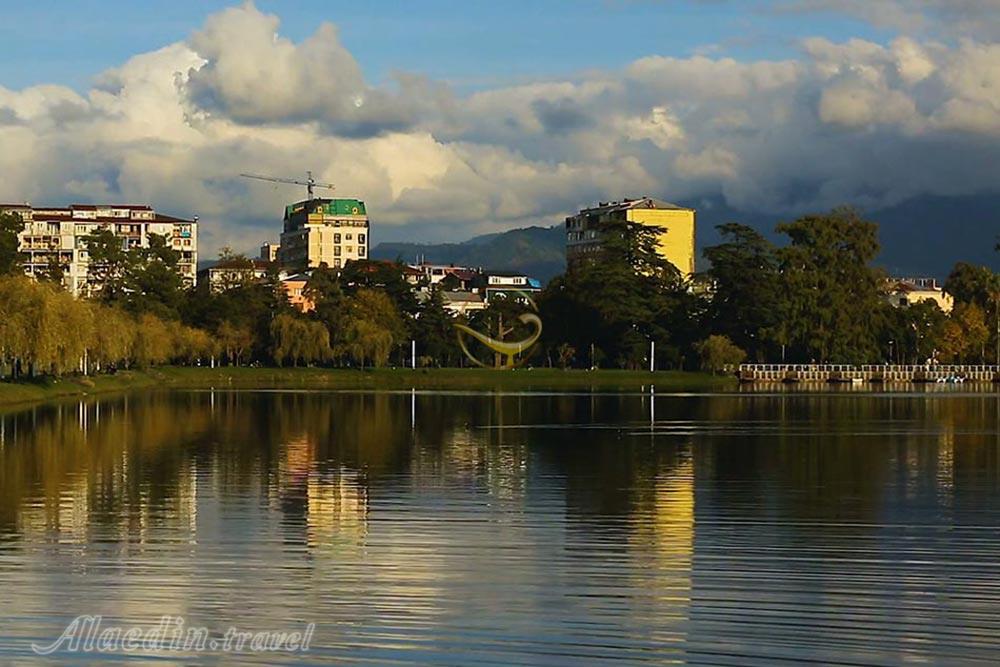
<point>91,207</point>
<point>462,274</point>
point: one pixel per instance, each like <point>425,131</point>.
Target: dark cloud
<point>561,116</point>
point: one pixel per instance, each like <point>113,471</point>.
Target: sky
<point>452,119</point>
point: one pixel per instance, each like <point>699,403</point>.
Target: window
<point>350,237</point>
<point>336,238</point>
<point>361,251</point>
<point>350,249</point>
<point>336,250</point>
<point>361,238</point>
<point>336,263</point>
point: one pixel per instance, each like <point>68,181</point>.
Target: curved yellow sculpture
<point>509,349</point>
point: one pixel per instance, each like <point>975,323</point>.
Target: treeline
<point>820,298</point>
<point>817,297</point>
<point>46,331</point>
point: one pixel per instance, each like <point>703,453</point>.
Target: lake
<point>750,528</point>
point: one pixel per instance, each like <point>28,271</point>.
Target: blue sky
<point>452,119</point>
<point>471,44</point>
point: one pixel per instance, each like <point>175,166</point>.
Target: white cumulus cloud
<point>844,122</point>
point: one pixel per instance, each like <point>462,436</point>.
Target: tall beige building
<point>53,234</point>
<point>324,231</point>
<point>676,242</point>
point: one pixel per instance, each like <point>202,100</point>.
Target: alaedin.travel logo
<point>89,634</point>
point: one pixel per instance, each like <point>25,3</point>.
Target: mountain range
<point>924,236</point>
<point>536,251</point>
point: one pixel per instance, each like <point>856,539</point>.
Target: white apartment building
<point>506,283</point>
<point>60,234</point>
<point>228,274</point>
<point>435,273</point>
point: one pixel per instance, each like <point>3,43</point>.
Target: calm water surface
<point>515,529</point>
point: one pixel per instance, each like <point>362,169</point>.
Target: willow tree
<point>42,328</point>
<point>718,354</point>
<point>235,340</point>
<point>367,341</point>
<point>190,345</point>
<point>372,327</point>
<point>76,321</point>
<point>15,322</point>
<point>113,339</point>
<point>153,342</point>
<point>297,340</point>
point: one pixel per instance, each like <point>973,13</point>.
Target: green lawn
<point>14,393</point>
<point>322,378</point>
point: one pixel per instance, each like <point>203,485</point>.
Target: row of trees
<point>45,331</point>
<point>817,297</point>
<point>820,298</point>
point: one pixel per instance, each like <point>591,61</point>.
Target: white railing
<point>871,368</point>
<point>869,372</point>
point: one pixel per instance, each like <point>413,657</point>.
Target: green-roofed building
<point>324,231</point>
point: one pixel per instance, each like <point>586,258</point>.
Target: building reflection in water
<point>331,502</point>
<point>772,527</point>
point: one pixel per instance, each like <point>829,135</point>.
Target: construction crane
<point>310,182</point>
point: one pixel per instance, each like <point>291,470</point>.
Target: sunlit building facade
<point>901,292</point>
<point>324,231</point>
<point>57,237</point>
<point>676,242</point>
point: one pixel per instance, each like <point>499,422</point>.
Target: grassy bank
<point>48,389</point>
<point>321,378</point>
<point>439,378</point>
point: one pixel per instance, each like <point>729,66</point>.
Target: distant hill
<point>923,236</point>
<point>537,251</point>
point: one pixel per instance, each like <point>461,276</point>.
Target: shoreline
<point>15,395</point>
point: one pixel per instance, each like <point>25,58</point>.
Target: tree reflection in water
<point>513,526</point>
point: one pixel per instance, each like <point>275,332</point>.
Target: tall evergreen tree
<point>152,282</point>
<point>832,304</point>
<point>615,303</point>
<point>10,256</point>
<point>745,300</point>
<point>969,283</point>
<point>434,331</point>
<point>108,266</point>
